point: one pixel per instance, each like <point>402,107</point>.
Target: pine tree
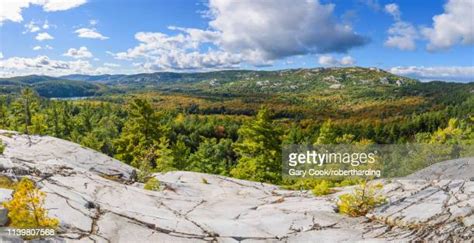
<point>26,209</point>
<point>181,153</point>
<point>144,118</point>
<point>164,156</point>
<point>140,132</point>
<point>212,157</point>
<point>24,108</point>
<point>259,150</point>
<point>4,122</point>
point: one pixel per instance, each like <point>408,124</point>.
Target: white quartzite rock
<point>96,199</point>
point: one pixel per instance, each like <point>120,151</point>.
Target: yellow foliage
<point>6,182</point>
<point>452,131</point>
<point>323,188</point>
<point>364,198</point>
<point>180,118</point>
<point>26,209</point>
<point>152,184</point>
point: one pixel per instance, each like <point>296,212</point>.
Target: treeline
<point>140,133</point>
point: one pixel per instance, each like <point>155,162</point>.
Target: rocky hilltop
<point>97,199</point>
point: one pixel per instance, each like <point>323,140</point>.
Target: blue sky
<point>423,39</point>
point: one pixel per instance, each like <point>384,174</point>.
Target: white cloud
<point>107,64</point>
<point>159,51</point>
<point>454,26</point>
<point>280,28</point>
<point>244,32</point>
<point>329,60</point>
<point>43,65</point>
<point>46,47</point>
<point>32,27</point>
<point>90,33</point>
<point>1,55</point>
<point>43,36</point>
<point>393,10</point>
<point>448,73</point>
<point>348,61</point>
<point>60,5</point>
<point>80,53</point>
<point>93,22</point>
<point>46,25</point>
<point>11,9</point>
<point>402,35</point>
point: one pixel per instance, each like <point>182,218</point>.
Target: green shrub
<point>2,147</point>
<point>323,188</point>
<point>6,182</point>
<point>301,184</point>
<point>152,184</point>
<point>349,182</point>
<point>364,198</point>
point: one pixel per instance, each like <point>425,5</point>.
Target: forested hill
<point>230,83</point>
<point>237,78</point>
<point>50,86</point>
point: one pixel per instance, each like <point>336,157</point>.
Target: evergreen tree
<point>164,156</point>
<point>327,133</point>
<point>24,107</point>
<point>212,157</point>
<point>259,150</point>
<point>181,153</point>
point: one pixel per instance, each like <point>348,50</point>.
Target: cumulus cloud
<point>402,35</point>
<point>393,10</point>
<point>11,9</point>
<point>329,60</point>
<point>180,52</point>
<point>244,32</point>
<point>454,26</point>
<point>1,55</point>
<point>60,5</point>
<point>447,73</point>
<point>348,61</point>
<point>43,65</point>
<point>43,36</point>
<point>90,33</point>
<point>36,48</point>
<point>248,26</point>
<point>80,53</point>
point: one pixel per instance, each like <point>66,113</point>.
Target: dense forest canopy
<point>234,123</point>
